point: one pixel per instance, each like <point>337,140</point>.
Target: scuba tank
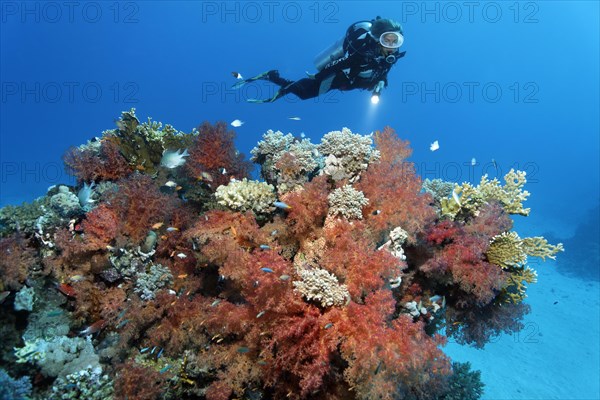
<point>339,48</point>
<point>331,53</point>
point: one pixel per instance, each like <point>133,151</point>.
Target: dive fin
<point>241,83</point>
<point>272,99</point>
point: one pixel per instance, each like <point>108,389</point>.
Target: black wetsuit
<point>361,67</point>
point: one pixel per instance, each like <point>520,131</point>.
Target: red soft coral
<point>394,190</point>
<point>139,204</point>
<point>17,259</point>
<point>101,226</point>
<point>309,207</point>
<point>462,262</point>
<point>442,232</point>
<point>352,257</point>
<point>386,360</point>
<point>214,152</point>
<point>91,165</point>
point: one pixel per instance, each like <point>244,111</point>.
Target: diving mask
<point>391,40</point>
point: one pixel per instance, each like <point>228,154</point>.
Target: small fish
<point>215,303</point>
<point>455,197</point>
<point>54,313</point>
<point>274,232</point>
<point>181,255</point>
<point>473,162</point>
<point>172,229</point>
<point>434,146</point>
<point>145,349</point>
<point>77,278</point>
<point>243,350</point>
<point>173,158</point>
<point>237,75</point>
<point>4,295</point>
<point>67,290</point>
<point>182,276</point>
<point>171,184</point>
<point>260,314</point>
<point>223,171</point>
<point>157,225</point>
<point>236,123</point>
<point>284,277</point>
<point>378,368</point>
<point>122,324</point>
<point>302,135</point>
<point>294,118</point>
<point>165,369</point>
<point>282,205</point>
<point>93,328</point>
<point>495,166</point>
<point>160,352</point>
<point>265,269</point>
<point>265,247</point>
<point>205,176</point>
<point>555,303</point>
<point>153,349</point>
<point>328,325</point>
<point>435,298</point>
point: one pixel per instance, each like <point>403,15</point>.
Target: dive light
<point>377,92</point>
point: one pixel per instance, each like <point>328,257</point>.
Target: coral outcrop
<point>183,279</point>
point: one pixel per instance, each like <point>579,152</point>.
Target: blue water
<point>513,82</point>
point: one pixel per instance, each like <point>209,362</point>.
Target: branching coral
<point>511,196</point>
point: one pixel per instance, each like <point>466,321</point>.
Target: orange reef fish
<point>67,290</point>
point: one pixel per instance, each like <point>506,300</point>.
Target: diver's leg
<point>271,76</point>
<point>306,88</point>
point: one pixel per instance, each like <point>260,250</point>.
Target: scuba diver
<point>360,60</point>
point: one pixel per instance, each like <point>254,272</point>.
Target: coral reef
<point>14,389</point>
<point>335,278</point>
